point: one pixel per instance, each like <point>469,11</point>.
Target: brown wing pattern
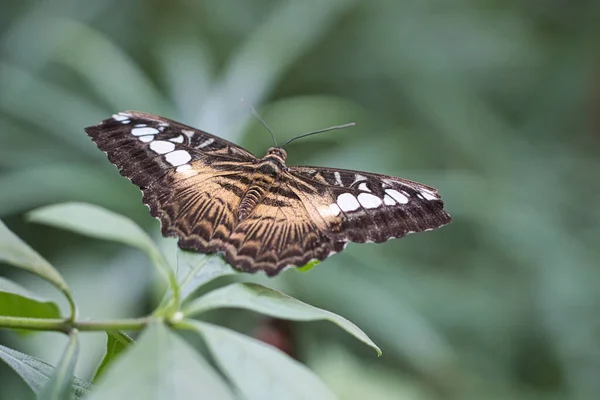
<point>148,149</point>
<point>191,180</point>
<point>279,233</point>
<point>364,207</point>
<point>217,197</point>
<point>198,201</point>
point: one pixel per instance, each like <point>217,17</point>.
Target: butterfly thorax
<point>265,174</point>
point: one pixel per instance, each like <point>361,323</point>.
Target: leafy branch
<point>160,356</point>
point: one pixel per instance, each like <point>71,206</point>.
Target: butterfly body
<point>217,197</point>
<point>264,176</point>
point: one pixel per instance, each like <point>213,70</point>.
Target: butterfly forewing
<point>364,207</point>
<point>191,180</point>
<point>217,197</point>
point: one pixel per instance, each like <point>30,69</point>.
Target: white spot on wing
<point>347,202</point>
<point>388,201</point>
<point>363,186</point>
<point>368,200</point>
<point>144,131</point>
<point>396,195</point>
<point>358,178</point>
<point>162,147</point>
<point>178,139</point>
<point>338,178</point>
<point>335,210</point>
<point>427,195</point>
<point>178,157</point>
<point>207,142</point>
<point>183,168</point>
<point>140,125</point>
<point>121,117</point>
<point>147,138</point>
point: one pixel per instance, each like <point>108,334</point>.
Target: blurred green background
<point>495,103</point>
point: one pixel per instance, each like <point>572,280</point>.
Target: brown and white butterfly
<point>217,197</point>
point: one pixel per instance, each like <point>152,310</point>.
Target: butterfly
<point>262,215</point>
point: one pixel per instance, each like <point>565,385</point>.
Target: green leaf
<point>187,65</point>
<point>264,300</point>
<point>258,370</point>
<point>59,387</point>
<point>116,343</point>
<point>36,373</point>
<point>308,266</point>
<point>94,221</point>
<point>98,222</point>
<point>93,56</point>
<point>66,113</point>
<point>55,183</point>
<point>17,253</point>
<point>16,301</point>
<point>195,270</point>
<point>161,365</point>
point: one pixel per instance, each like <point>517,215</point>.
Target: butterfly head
<point>273,162</point>
<point>276,154</point>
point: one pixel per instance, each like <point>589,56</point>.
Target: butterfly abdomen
<point>250,200</point>
<point>266,172</point>
<point>261,183</point>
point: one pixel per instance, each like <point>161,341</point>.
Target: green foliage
<point>492,102</point>
<point>161,362</point>
<point>257,369</point>
<point>15,252</point>
<point>59,387</point>
<point>17,301</point>
<point>39,374</point>
<point>116,343</point>
<point>261,299</point>
<point>100,223</point>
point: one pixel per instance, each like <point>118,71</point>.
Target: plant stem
<point>163,267</point>
<point>64,325</point>
<point>72,306</point>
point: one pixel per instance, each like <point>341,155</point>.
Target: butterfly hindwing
<point>200,211</point>
<point>278,233</point>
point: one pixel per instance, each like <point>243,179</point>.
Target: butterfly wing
<point>311,213</point>
<point>191,180</point>
<point>145,147</point>
<point>364,207</point>
<point>194,183</point>
<point>279,232</point>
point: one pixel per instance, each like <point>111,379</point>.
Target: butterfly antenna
<point>331,128</point>
<point>262,121</point>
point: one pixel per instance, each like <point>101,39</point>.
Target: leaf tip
<point>309,266</point>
